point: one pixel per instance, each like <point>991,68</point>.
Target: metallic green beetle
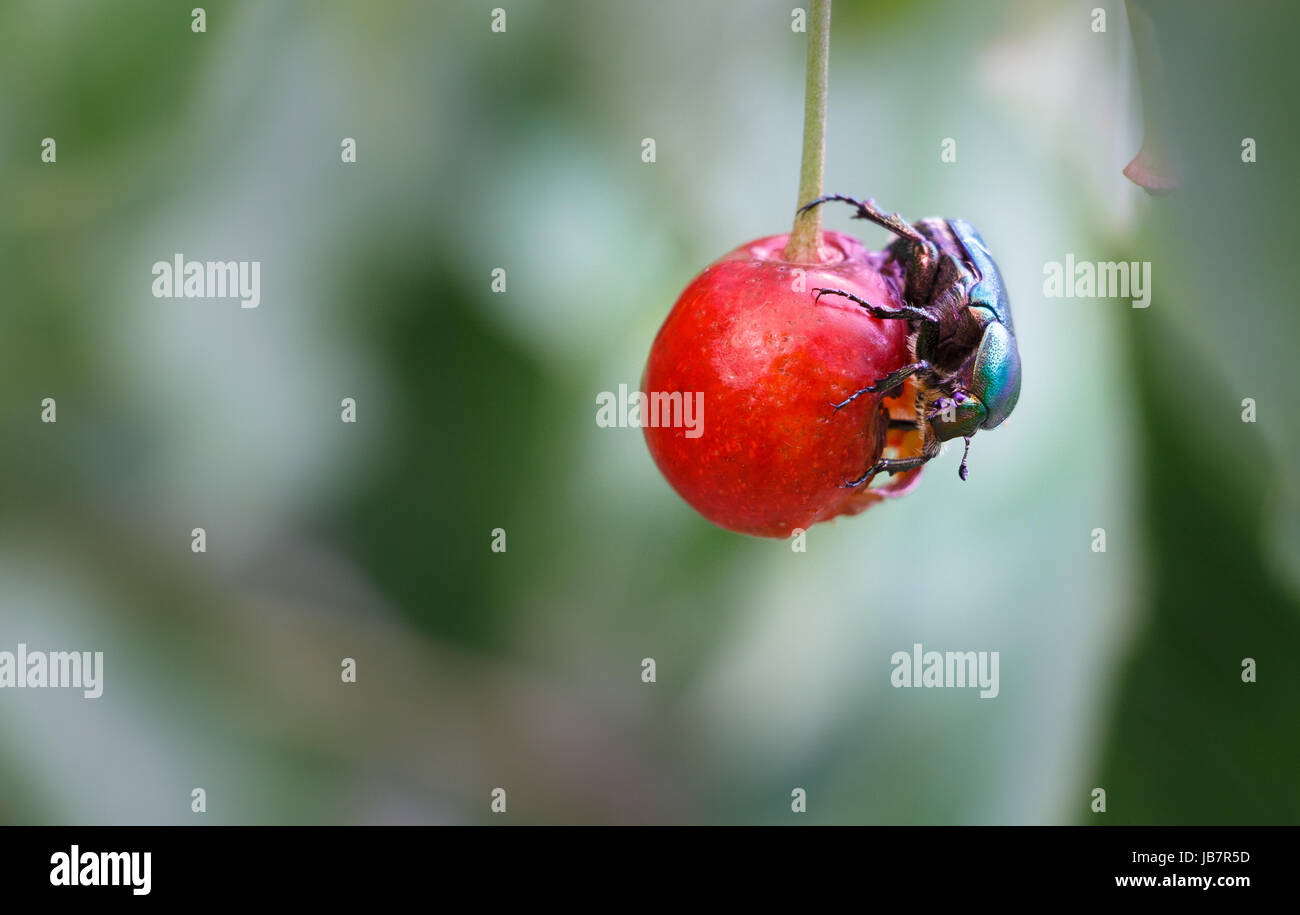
<point>962,341</point>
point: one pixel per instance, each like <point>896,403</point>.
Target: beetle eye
<point>959,397</point>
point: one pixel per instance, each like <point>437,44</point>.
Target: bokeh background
<point>521,670</point>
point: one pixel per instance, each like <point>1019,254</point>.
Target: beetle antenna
<point>962,471</point>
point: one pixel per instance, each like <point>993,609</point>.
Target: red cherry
<point>772,454</point>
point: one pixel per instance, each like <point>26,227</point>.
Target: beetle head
<point>984,394</point>
<point>955,415</point>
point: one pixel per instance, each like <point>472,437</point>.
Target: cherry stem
<point>805,240</point>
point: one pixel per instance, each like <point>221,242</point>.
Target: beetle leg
<point>890,466</point>
<point>897,377</point>
<point>907,312</point>
<point>852,397</point>
<point>889,382</point>
<point>867,210</point>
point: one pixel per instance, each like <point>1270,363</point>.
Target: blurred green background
<point>522,150</point>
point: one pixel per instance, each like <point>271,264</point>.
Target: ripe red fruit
<point>772,454</point>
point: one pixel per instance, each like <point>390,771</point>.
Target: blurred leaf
<point>1190,743</point>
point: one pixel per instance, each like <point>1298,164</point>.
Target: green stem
<point>805,239</point>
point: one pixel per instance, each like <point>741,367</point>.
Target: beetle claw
<point>854,396</point>
<point>845,484</point>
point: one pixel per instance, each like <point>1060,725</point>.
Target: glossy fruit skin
<point>773,454</point>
